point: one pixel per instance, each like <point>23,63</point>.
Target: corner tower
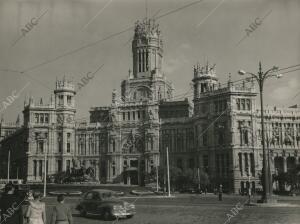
<point>65,125</point>
<point>204,80</point>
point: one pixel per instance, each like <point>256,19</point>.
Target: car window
<point>89,196</point>
<point>96,196</point>
<point>106,195</point>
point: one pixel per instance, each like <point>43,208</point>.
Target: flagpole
<point>168,174</point>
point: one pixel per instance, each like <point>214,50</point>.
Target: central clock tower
<point>146,82</point>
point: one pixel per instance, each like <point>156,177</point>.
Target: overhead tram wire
<point>105,38</point>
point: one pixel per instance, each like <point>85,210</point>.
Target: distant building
<point>219,134</point>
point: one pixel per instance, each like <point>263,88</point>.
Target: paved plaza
<point>204,209</point>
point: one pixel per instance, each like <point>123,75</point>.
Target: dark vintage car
<point>104,203</point>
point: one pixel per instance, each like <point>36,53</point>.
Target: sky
<point>207,30</point>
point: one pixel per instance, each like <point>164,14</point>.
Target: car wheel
<point>82,212</point>
<point>107,215</point>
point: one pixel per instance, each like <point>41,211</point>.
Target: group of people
<point>16,208</point>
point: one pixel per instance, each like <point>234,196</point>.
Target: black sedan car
<point>104,203</point>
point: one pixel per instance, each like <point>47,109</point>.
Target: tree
<point>291,178</point>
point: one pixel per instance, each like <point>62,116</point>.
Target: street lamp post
<point>260,77</point>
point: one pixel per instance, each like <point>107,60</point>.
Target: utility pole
<point>8,165</point>
<point>249,189</point>
<point>45,173</point>
<point>157,178</point>
<point>45,165</point>
<point>168,174</point>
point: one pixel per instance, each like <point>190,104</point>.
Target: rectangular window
<point>248,104</point>
<point>36,118</point>
<point>41,146</point>
<point>124,116</point>
<point>238,104</point>
<point>46,118</point>
<point>114,171</point>
<point>40,168</point>
<point>60,142</point>
<point>252,164</point>
<point>34,168</point>
<point>128,115</point>
<point>139,114</point>
<point>243,104</point>
<point>151,143</point>
<point>133,115</point>
<point>59,165</point>
<point>60,100</point>
<point>68,142</point>
<point>69,100</point>
<point>241,163</point>
<point>42,118</point>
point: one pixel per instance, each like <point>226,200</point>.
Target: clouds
<point>176,59</point>
<point>287,93</point>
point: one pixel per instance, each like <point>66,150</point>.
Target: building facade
<point>219,132</point>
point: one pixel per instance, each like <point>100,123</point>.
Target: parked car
<point>104,203</point>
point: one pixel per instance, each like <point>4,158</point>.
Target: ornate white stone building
<point>220,134</point>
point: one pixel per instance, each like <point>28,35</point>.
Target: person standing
<point>36,213</point>
<point>62,214</point>
<point>10,204</point>
<point>220,192</point>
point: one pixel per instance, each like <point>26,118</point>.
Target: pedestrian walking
<point>10,206</point>
<point>220,192</point>
<point>62,214</point>
<point>36,213</point>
